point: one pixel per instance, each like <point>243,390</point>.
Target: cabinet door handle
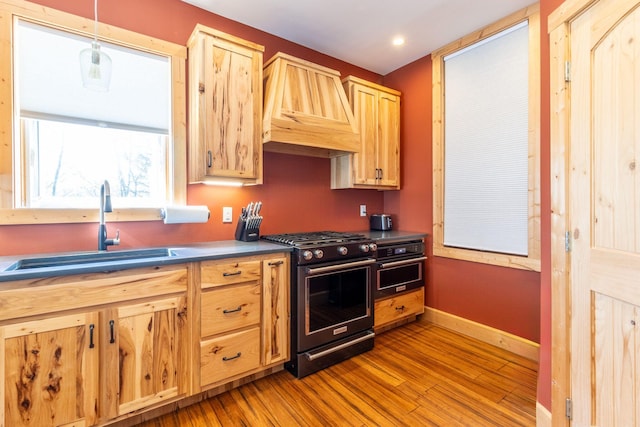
<point>235,273</point>
<point>381,173</point>
<point>112,331</point>
<point>235,310</point>
<point>209,159</point>
<point>275,263</point>
<point>91,328</point>
<point>226,359</point>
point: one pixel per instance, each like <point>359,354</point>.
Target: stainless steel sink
<point>90,258</point>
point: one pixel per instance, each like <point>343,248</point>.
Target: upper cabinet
<point>225,108</point>
<point>377,164</point>
<point>306,111</point>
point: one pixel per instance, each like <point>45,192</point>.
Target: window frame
<point>10,127</point>
<point>532,260</point>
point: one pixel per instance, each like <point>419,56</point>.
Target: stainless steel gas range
<point>332,279</point>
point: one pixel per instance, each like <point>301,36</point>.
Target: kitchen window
<point>486,145</point>
<point>68,139</point>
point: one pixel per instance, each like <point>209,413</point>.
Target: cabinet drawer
<point>399,306</point>
<point>229,355</point>
<point>229,272</point>
<point>225,309</point>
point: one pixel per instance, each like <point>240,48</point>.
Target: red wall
<point>296,194</point>
<point>504,298</point>
<point>511,300</point>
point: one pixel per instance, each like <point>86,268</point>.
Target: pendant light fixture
<point>95,65</point>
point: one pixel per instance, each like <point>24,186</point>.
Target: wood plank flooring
<point>417,375</point>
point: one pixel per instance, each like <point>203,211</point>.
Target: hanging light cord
<point>95,20</point>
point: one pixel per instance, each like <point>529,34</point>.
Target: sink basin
<point>90,258</point>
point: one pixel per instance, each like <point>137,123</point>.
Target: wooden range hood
<point>306,110</point>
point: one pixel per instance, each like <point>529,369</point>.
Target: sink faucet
<point>105,206</point>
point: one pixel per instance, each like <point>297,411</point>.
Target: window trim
<point>532,261</point>
<point>10,123</point>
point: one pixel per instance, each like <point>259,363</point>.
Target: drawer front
<point>221,273</point>
<point>397,307</point>
<point>225,309</point>
<point>229,355</point>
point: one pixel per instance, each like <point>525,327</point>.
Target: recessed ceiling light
<point>398,41</point>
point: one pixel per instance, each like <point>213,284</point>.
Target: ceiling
<point>360,32</point>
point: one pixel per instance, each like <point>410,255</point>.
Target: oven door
<point>334,301</point>
<point>399,275</point>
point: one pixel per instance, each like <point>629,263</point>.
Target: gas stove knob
<point>342,250</point>
<point>373,247</point>
<point>307,255</point>
<point>364,248</point>
<point>318,253</point>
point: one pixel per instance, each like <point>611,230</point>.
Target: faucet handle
<point>115,241</point>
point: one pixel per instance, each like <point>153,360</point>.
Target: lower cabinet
<point>398,308</point>
<point>96,348</point>
<point>144,345</point>
<point>85,368</point>
<point>50,372</point>
<point>244,317</point>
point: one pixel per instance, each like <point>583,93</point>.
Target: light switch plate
<point>227,214</point>
<point>363,210</point>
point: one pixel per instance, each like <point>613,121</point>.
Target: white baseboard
<point>543,416</point>
<point>493,336</point>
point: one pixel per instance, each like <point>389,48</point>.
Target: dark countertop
<point>181,254</point>
<point>392,236</point>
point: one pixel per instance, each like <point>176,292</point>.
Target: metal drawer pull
<point>111,329</point>
<point>403,262</point>
<point>91,328</point>
<point>226,359</point>
<point>232,274</point>
<point>235,310</point>
<point>275,263</point>
<point>320,354</point>
<point>401,308</point>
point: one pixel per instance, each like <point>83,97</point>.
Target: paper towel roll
<point>185,214</point>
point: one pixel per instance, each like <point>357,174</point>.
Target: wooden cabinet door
<point>50,372</point>
<point>144,358</point>
<point>225,90</point>
<point>365,107</point>
<point>377,113</point>
<point>229,113</point>
<point>275,322</point>
<point>388,140</point>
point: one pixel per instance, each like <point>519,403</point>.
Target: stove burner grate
<point>315,238</point>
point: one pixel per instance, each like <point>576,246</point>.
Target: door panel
<point>604,209</point>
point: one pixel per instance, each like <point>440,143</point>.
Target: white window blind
<point>50,85</point>
<point>486,144</point>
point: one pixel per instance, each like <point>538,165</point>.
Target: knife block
<point>245,233</point>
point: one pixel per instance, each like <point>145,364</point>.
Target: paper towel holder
<point>184,214</point>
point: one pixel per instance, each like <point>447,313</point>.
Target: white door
<point>603,210</point>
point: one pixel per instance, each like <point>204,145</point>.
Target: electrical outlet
<point>363,210</point>
<point>227,214</point>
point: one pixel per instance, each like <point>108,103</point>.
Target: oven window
<point>336,298</point>
<point>395,276</point>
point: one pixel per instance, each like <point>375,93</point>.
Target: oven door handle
<point>337,267</point>
<point>314,356</point>
<point>402,262</point>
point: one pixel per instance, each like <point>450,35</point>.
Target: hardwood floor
<point>417,375</point>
